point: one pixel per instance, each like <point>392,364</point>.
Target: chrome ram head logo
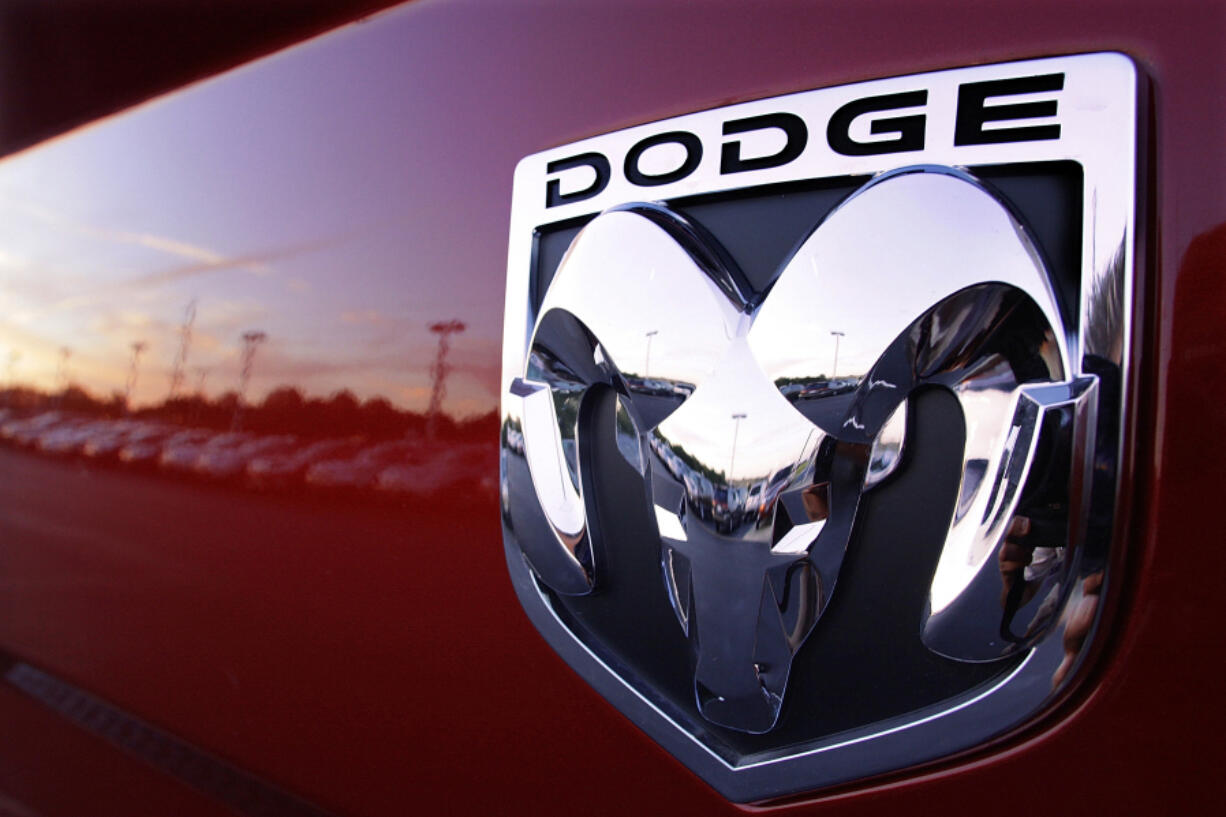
<point>758,420</point>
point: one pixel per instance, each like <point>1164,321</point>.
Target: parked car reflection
<point>373,450</point>
<point>224,462</point>
<point>466,466</point>
<point>277,469</point>
<point>363,469</point>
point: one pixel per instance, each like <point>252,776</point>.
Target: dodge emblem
<point>808,447</point>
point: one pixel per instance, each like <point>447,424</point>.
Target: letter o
<point>693,155</point>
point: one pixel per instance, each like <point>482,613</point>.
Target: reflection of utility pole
<point>185,345</point>
<point>202,372</point>
<point>647,356</point>
<point>251,342</point>
<point>61,373</point>
<point>736,430</point>
<point>834,368</point>
<point>10,378</point>
<point>440,369</point>
<point>138,349</point>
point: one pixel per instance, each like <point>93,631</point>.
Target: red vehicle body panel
<point>368,655</point>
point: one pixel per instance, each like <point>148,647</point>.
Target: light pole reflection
<point>834,367</point>
<point>138,349</point>
<point>647,356</point>
<point>440,369</point>
<point>61,374</point>
<point>10,375</point>
<point>736,430</point>
<point>185,345</point>
<point>251,341</point>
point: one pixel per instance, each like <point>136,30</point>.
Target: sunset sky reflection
<point>267,196</point>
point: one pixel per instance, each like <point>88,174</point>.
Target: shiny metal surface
<point>922,244</point>
<point>758,417</point>
<point>751,546</point>
<point>1020,563</point>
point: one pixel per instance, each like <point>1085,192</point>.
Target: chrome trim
<point>749,337</point>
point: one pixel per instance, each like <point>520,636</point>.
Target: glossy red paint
<point>369,654</point>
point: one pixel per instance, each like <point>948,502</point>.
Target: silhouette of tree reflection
<point>339,444</point>
<point>285,410</point>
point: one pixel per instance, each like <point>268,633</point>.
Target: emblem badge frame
<point>929,206</point>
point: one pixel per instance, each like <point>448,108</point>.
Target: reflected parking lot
<point>414,464</point>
